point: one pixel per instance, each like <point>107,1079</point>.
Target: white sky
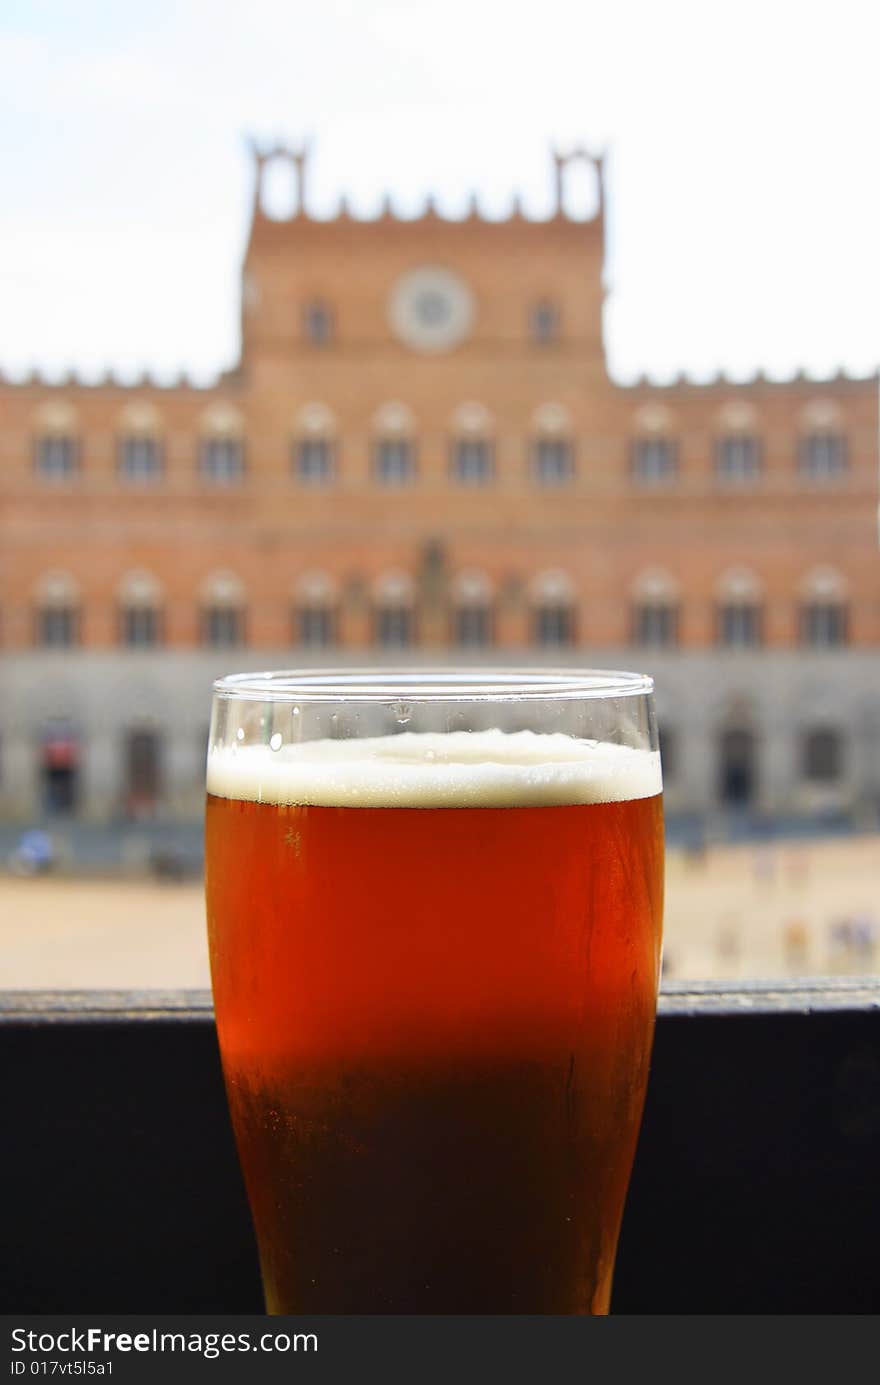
<point>744,140</point>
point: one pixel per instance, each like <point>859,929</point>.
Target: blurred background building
<point>421,457</point>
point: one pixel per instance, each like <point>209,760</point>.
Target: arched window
<point>56,446</point>
<point>472,613</point>
<point>822,446</point>
<point>552,447</point>
<point>653,452</point>
<point>140,610</point>
<point>553,617</point>
<point>738,458</point>
<point>314,445</point>
<point>318,322</point>
<point>824,611</point>
<point>655,610</point>
<point>738,611</point>
<point>822,752</point>
<point>654,460</point>
<point>139,451</point>
<point>472,454</point>
<point>221,458</point>
<point>738,453</point>
<point>394,451</point>
<point>315,611</point>
<point>56,624</point>
<point>394,623</point>
<point>222,611</point>
<point>545,322</point>
<point>822,456</point>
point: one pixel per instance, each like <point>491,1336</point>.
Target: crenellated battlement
<point>296,159</point>
<point>51,382</point>
<point>759,379</point>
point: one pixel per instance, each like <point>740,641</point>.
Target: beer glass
<point>434,911</point>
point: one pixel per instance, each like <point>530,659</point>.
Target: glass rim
<point>430,685</point>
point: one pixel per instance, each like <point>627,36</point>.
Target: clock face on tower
<point>431,309</point>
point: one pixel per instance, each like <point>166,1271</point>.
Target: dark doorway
<point>143,771</point>
<point>59,767</point>
<point>738,780</point>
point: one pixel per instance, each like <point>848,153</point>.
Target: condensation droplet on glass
<point>275,740</point>
<point>296,711</point>
<point>239,735</point>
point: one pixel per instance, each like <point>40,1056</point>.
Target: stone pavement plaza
<point>735,911</point>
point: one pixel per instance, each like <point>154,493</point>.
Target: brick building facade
<point>421,456</point>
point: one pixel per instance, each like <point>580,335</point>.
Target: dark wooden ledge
<point>754,1188</point>
<point>729,998</point>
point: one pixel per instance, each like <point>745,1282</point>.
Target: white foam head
<point>457,769</point>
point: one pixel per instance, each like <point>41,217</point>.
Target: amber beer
<point>435,1001</point>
